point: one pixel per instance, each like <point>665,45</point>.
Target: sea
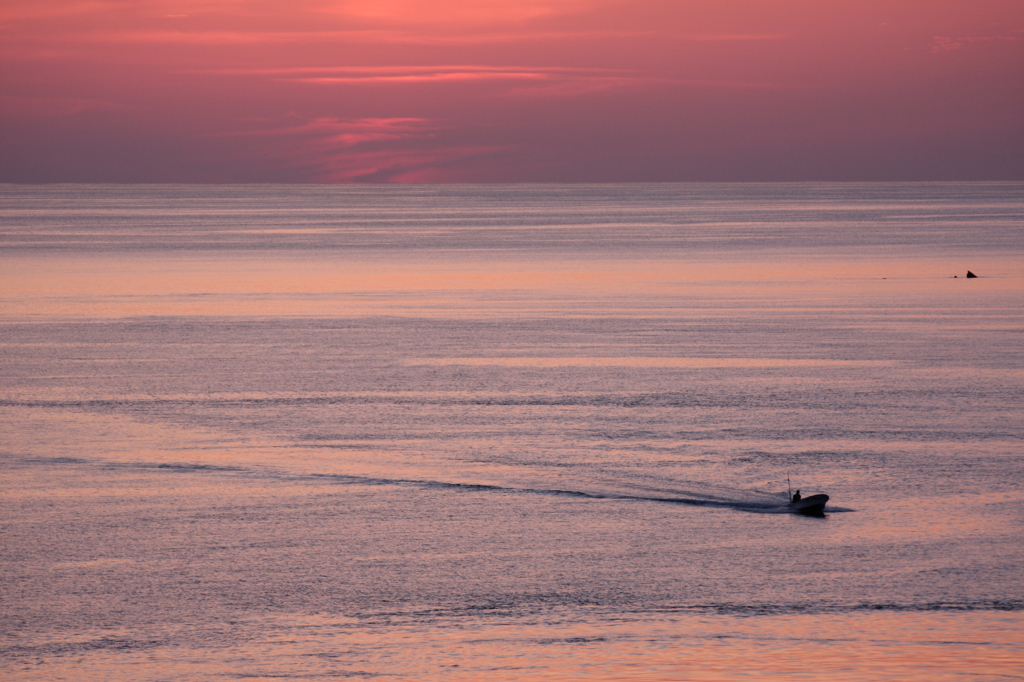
<point>511,432</point>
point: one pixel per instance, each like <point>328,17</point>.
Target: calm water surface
<point>511,432</point>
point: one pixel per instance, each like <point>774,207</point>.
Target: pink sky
<point>510,90</point>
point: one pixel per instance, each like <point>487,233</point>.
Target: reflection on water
<point>510,432</point>
<point>889,646</point>
<point>39,284</point>
<point>180,572</point>
<point>636,362</point>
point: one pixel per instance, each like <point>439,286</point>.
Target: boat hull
<point>815,504</point>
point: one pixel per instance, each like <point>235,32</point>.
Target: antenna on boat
<point>789,486</point>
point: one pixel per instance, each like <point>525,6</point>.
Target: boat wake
<point>604,485</point>
<point>694,494</point>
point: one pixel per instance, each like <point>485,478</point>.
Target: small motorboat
<point>813,505</point>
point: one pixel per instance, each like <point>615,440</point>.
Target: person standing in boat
<point>796,496</point>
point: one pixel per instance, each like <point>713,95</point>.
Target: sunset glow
<point>520,90</point>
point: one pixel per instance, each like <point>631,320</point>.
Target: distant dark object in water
<point>813,505</point>
<point>970,274</point>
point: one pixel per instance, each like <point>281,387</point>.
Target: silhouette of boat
<point>813,505</point>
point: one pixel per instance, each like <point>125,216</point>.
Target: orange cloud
<point>350,132</point>
<point>366,149</point>
<point>523,80</point>
<point>465,12</point>
<point>945,43</point>
<point>453,74</point>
